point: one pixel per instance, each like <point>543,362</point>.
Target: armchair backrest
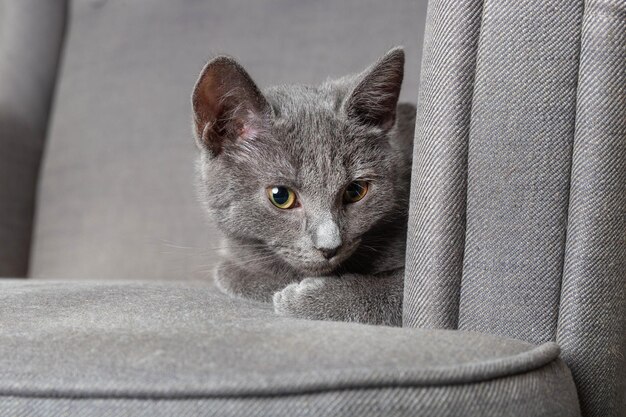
<point>518,223</point>
<point>31,36</point>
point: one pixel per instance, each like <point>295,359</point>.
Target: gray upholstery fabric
<point>117,198</point>
<point>545,248</point>
<point>174,349</point>
<point>592,320</point>
<point>537,394</point>
<point>519,159</point>
<point>31,33</point>
<point>437,224</point>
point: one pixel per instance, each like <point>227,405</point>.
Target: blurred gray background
<point>117,197</point>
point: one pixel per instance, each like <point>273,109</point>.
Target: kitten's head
<point>304,171</point>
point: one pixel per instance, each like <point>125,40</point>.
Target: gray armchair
<point>515,291</point>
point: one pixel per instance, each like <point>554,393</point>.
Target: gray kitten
<point>310,185</point>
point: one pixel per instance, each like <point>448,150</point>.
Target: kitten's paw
<point>300,299</point>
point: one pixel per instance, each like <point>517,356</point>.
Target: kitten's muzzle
<point>333,258</point>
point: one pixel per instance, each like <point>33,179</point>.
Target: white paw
<point>294,299</point>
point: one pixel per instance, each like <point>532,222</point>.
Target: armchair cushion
<point>186,349</point>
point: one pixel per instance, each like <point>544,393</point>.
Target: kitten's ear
<point>227,105</point>
<point>373,101</point>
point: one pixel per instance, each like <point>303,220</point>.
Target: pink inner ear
<point>248,128</point>
<point>247,131</point>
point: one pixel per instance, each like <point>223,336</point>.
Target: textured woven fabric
<point>592,320</point>
<point>437,223</point>
<point>535,394</point>
<point>519,159</point>
<point>546,224</point>
<point>170,349</point>
<point>117,197</point>
<point>31,33</point>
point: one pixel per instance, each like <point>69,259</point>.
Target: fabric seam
<point>550,349</point>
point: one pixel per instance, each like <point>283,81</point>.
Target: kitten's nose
<point>329,253</point>
<point>327,239</point>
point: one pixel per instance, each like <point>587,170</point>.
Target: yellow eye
<point>355,191</point>
<point>282,197</point>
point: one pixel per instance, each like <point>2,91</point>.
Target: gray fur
<point>315,140</point>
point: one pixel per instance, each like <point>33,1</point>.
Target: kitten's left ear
<point>227,105</point>
<point>373,101</point>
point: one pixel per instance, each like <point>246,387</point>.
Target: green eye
<point>355,191</point>
<point>282,197</point>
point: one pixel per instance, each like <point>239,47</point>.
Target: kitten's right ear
<point>227,105</point>
<point>374,100</point>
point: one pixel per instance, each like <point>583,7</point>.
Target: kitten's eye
<point>355,191</point>
<point>282,197</point>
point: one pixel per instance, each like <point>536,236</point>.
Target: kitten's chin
<point>318,269</point>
